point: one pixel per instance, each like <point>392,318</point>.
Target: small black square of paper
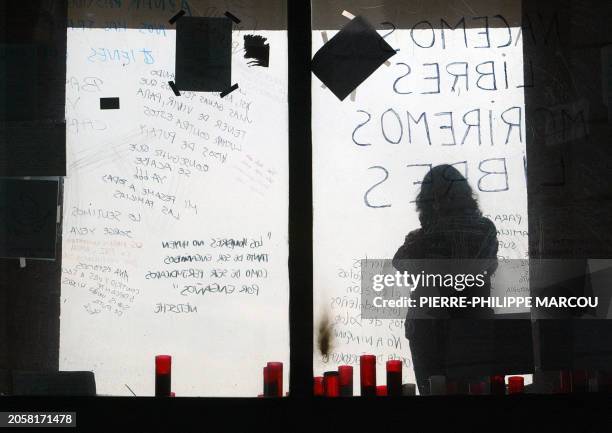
<point>109,103</point>
<point>203,54</point>
<point>350,57</point>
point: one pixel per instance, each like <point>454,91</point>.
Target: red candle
<point>367,373</point>
<point>477,388</point>
<point>275,379</point>
<point>331,383</point>
<point>381,391</point>
<point>163,373</point>
<point>346,380</point>
<point>498,385</point>
<point>394,377</point>
<point>565,382</point>
<point>516,385</point>
<point>452,387</point>
<point>318,390</point>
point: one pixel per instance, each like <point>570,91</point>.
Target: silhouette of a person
<point>452,227</point>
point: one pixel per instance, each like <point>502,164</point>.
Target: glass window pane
<point>175,206</point>
<point>443,86</point>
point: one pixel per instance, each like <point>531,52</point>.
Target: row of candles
<point>339,383</point>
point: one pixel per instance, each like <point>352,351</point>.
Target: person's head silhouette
<point>445,192</point>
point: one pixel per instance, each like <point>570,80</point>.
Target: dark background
<point>30,297</point>
<point>570,208</point>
